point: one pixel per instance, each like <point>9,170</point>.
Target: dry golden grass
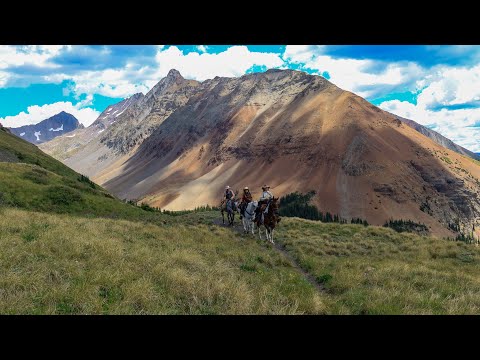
<point>374,270</point>
<point>62,264</point>
<point>65,264</point>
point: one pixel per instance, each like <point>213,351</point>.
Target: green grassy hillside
<point>30,179</point>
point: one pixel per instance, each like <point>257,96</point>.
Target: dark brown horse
<point>268,220</point>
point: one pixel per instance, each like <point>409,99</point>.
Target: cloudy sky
<point>437,86</point>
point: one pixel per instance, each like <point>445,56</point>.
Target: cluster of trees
<point>467,237</point>
<point>86,179</point>
<point>359,221</point>
<point>406,225</point>
<point>298,204</point>
<point>197,209</point>
<point>147,207</point>
<point>454,226</point>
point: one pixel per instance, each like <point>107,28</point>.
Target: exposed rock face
<point>122,127</point>
<point>148,112</point>
<point>48,129</point>
<point>179,145</point>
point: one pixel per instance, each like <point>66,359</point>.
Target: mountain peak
<point>48,129</point>
<point>173,73</point>
<point>274,71</point>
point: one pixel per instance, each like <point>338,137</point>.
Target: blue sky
<point>437,86</point>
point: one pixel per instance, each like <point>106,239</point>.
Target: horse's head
<point>274,203</point>
<point>252,206</point>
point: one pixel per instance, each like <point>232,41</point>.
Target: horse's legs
<point>223,218</point>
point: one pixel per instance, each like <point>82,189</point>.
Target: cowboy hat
<point>227,187</point>
<point>245,188</point>
<point>265,187</point>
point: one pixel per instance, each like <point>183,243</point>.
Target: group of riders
<point>247,197</point>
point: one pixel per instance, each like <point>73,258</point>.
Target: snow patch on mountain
<point>57,129</point>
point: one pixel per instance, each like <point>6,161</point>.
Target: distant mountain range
<point>179,145</point>
<point>48,129</point>
<point>440,139</point>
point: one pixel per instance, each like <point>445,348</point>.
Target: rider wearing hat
<point>265,198</point>
<point>246,199</point>
<point>229,194</point>
<point>247,196</point>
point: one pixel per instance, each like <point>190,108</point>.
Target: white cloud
<point>444,87</point>
<point>36,113</point>
<point>355,75</point>
<point>457,125</point>
<point>202,48</point>
<point>38,55</point>
<point>3,78</point>
<point>110,82</point>
<point>451,86</point>
<point>234,61</point>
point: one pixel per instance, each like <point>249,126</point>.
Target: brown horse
<point>268,220</point>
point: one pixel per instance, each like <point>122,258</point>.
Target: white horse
<point>247,220</point>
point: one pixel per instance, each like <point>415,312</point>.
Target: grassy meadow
<point>64,264</point>
<point>61,264</point>
<point>375,270</point>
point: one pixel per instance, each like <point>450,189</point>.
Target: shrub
<point>147,207</point>
<point>38,176</point>
<point>324,279</point>
<point>86,180</point>
<point>62,195</point>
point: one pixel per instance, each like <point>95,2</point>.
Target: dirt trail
<point>311,279</point>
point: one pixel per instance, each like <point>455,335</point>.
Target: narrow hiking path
<point>310,278</point>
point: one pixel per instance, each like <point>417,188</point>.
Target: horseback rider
<point>246,199</point>
<point>246,196</point>
<point>229,194</point>
<point>264,199</point>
